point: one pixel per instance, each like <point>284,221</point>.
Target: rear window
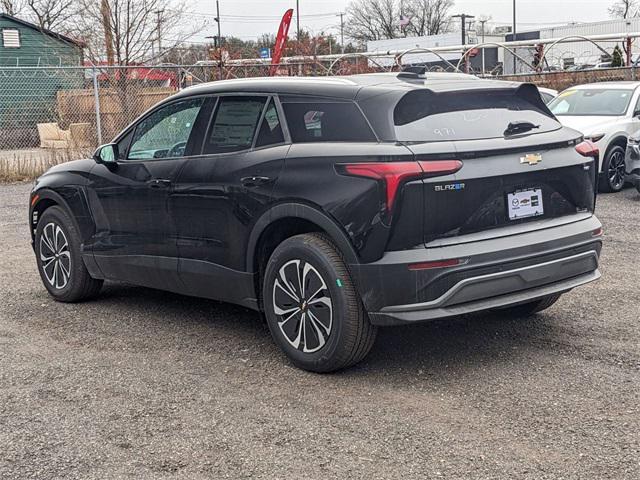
<point>592,101</point>
<point>327,122</point>
<point>426,116</point>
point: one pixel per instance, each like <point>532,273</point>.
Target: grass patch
<point>20,166</point>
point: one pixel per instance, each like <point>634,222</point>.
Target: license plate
<point>525,203</point>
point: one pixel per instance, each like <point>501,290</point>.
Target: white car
<point>606,113</point>
<point>547,94</point>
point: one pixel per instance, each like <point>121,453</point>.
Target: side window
<point>164,133</point>
<point>327,122</point>
<point>123,145</point>
<point>234,124</point>
<point>270,132</point>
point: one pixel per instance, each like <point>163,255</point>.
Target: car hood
<point>589,124</point>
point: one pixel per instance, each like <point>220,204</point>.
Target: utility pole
<point>514,35</point>
<point>298,20</point>
<point>159,30</point>
<point>342,31</point>
<point>463,17</point>
<point>482,22</point>
<point>217,19</point>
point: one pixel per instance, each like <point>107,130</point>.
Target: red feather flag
<point>281,39</point>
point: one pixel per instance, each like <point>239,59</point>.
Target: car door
<point>220,193</point>
<point>135,239</point>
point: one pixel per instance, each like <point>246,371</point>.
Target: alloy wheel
<point>55,256</point>
<point>302,303</point>
<point>616,171</point>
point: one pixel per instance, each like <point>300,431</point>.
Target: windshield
<point>592,101</point>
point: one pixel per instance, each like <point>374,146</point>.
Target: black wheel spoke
<point>55,257</point>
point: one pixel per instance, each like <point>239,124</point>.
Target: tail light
<point>587,149</point>
<point>393,174</point>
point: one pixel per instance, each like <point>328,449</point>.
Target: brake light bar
<point>587,149</point>
<point>393,174</point>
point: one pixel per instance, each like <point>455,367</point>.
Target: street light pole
<point>514,35</point>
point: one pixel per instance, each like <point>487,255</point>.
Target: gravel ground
<point>146,384</point>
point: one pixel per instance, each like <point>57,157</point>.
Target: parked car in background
<point>606,113</point>
<point>603,65</point>
<point>332,204</point>
<point>547,94</point>
<point>633,160</point>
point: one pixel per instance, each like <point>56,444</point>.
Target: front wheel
<point>57,248</point>
<point>613,170</point>
<point>312,308</point>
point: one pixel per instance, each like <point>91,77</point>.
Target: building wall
<point>28,95</point>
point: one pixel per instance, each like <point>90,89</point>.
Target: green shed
<point>32,71</point>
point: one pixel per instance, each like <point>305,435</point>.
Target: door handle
<point>254,181</point>
<point>159,183</point>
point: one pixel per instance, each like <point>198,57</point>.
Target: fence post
<point>96,96</point>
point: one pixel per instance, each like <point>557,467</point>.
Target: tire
<point>333,331</point>
<point>530,308</point>
<point>57,248</point>
<point>613,170</point>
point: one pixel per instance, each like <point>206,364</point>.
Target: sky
<point>247,19</point>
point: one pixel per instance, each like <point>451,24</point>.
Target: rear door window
<point>326,122</point>
<point>234,124</point>
<point>427,116</point>
<point>270,131</point>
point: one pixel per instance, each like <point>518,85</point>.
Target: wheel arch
<point>74,204</point>
<point>619,140</point>
<point>286,220</point>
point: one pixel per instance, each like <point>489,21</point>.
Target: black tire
<point>336,305</point>
<point>613,170</point>
<point>530,308</point>
<point>62,270</point>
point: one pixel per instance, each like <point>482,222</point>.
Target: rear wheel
<point>57,248</point>
<point>530,308</point>
<point>312,308</point>
<point>613,170</point>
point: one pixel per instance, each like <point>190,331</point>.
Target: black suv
<point>333,205</point>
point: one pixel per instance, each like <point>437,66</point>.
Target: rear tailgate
<point>495,189</point>
<point>519,164</point>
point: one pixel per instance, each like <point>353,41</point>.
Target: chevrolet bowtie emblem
<point>531,158</point>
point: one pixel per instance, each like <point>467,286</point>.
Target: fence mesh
<point>50,115</point>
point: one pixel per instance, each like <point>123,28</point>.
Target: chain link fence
<point>50,115</point>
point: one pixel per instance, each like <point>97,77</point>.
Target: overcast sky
<point>247,19</point>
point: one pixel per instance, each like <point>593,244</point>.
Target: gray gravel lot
<point>146,384</point>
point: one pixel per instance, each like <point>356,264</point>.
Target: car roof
<point>346,87</point>
<point>626,85</point>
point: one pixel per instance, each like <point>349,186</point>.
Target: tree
<point>379,19</point>
<point>373,20</point>
<point>51,14</point>
<point>616,57</point>
<point>427,17</point>
<point>11,7</point>
<point>624,9</point>
<point>126,32</point>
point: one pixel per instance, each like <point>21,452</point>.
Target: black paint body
<point>196,225</point>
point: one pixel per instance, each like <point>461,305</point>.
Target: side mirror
<point>106,154</point>
<point>636,114</point>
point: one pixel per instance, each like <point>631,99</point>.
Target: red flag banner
<point>281,39</point>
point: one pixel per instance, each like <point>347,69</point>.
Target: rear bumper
<point>497,272</point>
